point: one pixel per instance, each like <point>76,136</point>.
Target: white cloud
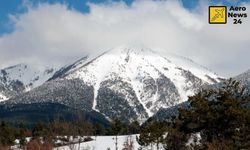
<point>54,34</point>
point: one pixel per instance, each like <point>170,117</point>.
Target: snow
<point>131,65</point>
<point>93,74</point>
<point>184,62</point>
<point>194,139</point>
<point>30,76</point>
<point>135,64</point>
<point>3,97</point>
<point>244,77</point>
<point>102,143</point>
<point>108,143</point>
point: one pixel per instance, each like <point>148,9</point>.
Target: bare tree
<point>129,143</point>
<point>72,146</point>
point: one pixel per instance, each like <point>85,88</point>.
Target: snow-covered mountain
<point>244,78</point>
<point>125,82</point>
<point>22,78</point>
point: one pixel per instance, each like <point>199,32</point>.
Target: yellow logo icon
<point>217,14</point>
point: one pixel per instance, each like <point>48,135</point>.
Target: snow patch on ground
<point>102,143</point>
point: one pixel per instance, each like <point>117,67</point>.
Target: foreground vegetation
<point>216,119</point>
<point>45,135</point>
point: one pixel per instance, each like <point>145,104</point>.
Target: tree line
<point>217,118</point>
<point>44,135</point>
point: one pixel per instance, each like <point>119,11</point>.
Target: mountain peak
<point>244,78</point>
<point>21,78</point>
<point>148,79</point>
<point>130,49</point>
<point>126,82</point>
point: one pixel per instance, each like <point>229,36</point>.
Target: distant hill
<point>31,114</point>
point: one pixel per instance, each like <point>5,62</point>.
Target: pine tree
<point>152,134</point>
<point>134,127</point>
<point>117,128</point>
<point>175,140</point>
<point>7,134</point>
<point>21,133</point>
<point>219,115</point>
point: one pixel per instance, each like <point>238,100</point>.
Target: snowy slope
<point>129,83</point>
<point>22,78</point>
<point>244,78</point>
<point>30,76</point>
<point>146,80</point>
<point>108,143</point>
<point>102,143</point>
<point>2,97</point>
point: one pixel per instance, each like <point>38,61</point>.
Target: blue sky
<point>55,32</point>
<point>14,7</point>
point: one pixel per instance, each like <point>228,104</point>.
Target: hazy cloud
<point>55,34</point>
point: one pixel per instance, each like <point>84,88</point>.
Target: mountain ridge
<point>129,83</point>
<point>244,78</point>
<point>21,78</point>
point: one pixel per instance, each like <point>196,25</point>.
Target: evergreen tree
<point>44,131</point>
<point>152,134</point>
<point>98,129</point>
<point>134,127</point>
<point>7,134</point>
<point>117,127</point>
<point>219,115</point>
<point>175,140</point>
<point>21,133</point>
